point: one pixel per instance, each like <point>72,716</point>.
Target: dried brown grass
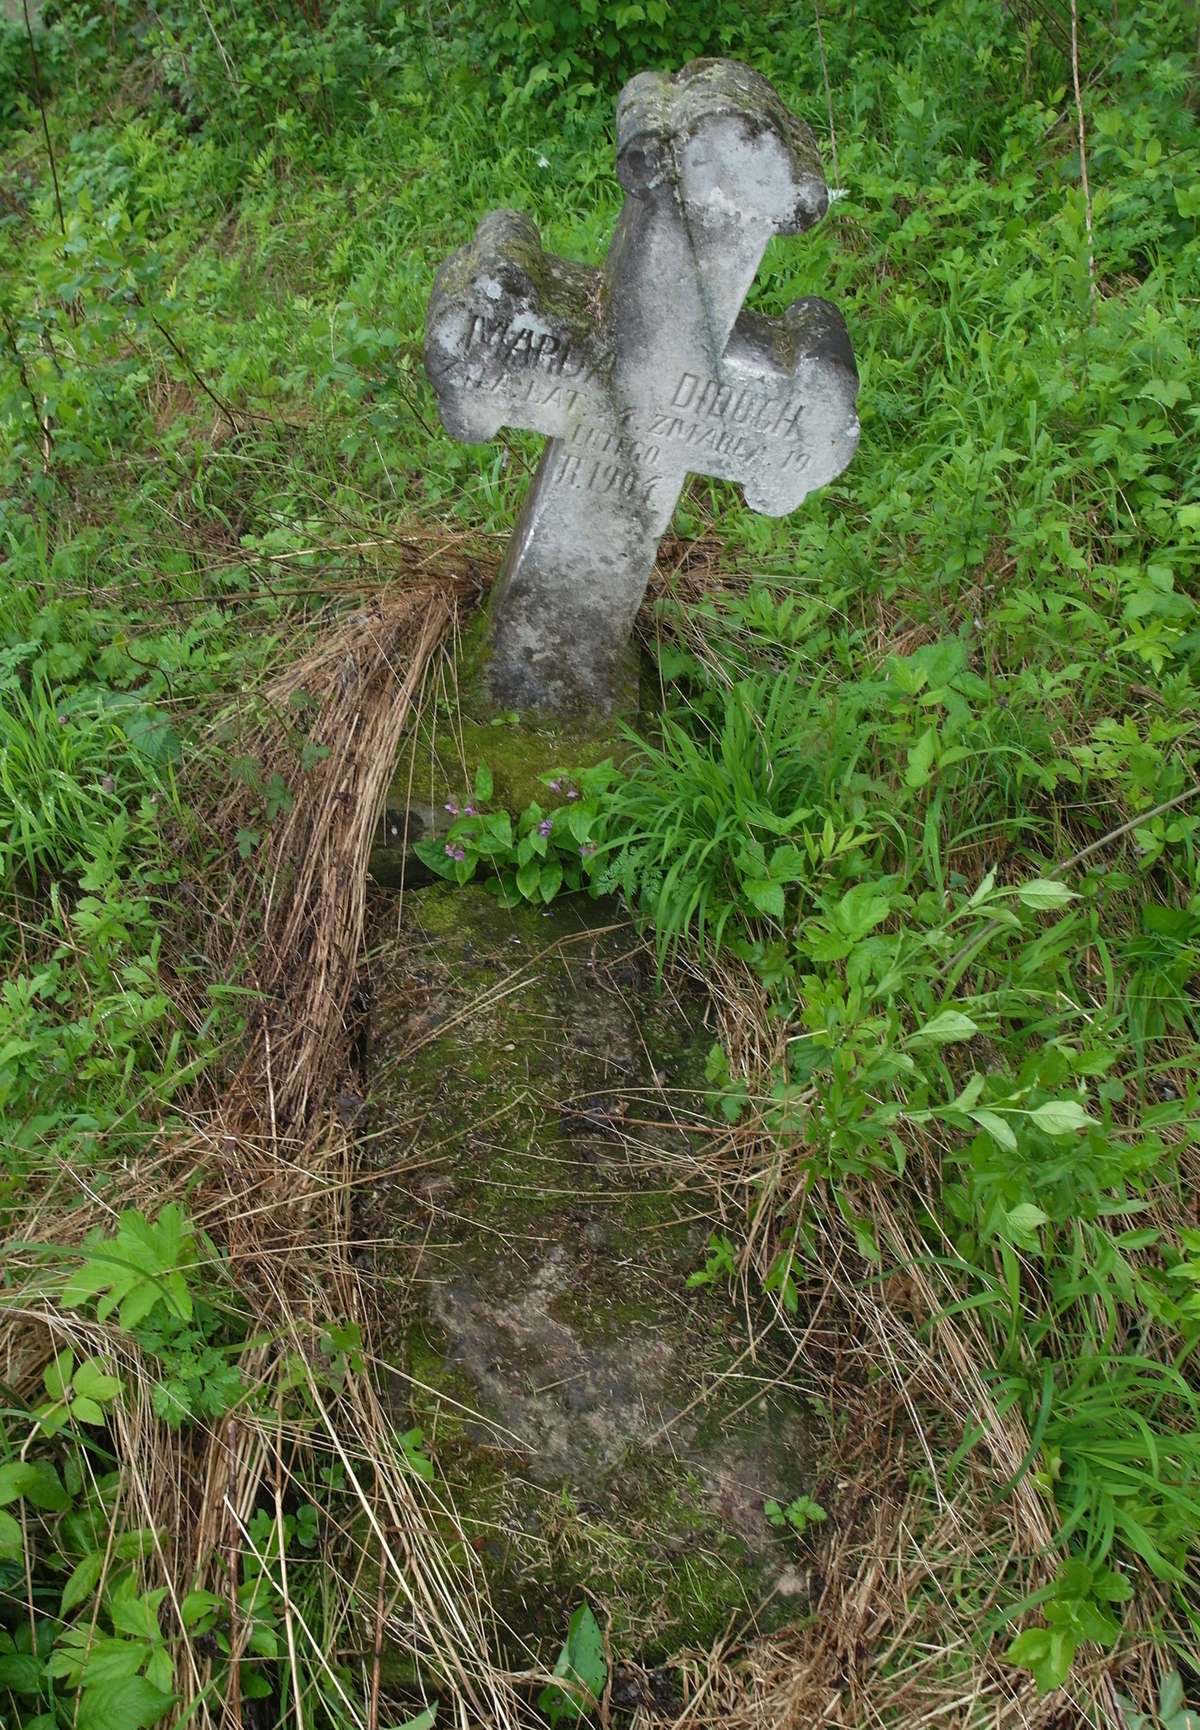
<point>266,1164</point>
<point>910,1571</point>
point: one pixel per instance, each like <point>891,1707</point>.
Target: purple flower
<point>572,792</point>
<point>451,807</point>
<point>545,826</point>
<point>586,851</point>
<point>470,811</point>
<point>556,786</point>
<point>453,852</point>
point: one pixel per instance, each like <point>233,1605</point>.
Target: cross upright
<point>642,371</point>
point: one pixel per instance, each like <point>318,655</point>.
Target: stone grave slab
<point>555,1349</point>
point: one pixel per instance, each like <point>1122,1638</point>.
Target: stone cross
<point>642,372</point>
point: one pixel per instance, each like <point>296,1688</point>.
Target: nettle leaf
<point>1043,892</point>
<point>1061,1117</point>
<point>133,1612</point>
<point>860,910</point>
<point>199,1609</point>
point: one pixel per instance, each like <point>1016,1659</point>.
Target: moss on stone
<point>557,1351</point>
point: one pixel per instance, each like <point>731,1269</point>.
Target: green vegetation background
<point>984,636</point>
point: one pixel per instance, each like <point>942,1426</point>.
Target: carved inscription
<point>534,390</point>
<point>597,440</point>
<point>735,427</point>
<point>594,475</point>
<point>775,417</point>
<point>728,442</point>
<point>517,345</point>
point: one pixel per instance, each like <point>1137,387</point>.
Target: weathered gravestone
<point>642,372</point>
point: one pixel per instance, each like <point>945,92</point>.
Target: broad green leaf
<point>984,890</point>
<point>997,1127</point>
<point>413,1444</point>
<point>920,759</point>
<point>57,1374</point>
<point>581,1661</point>
<point>129,1703</point>
<point>105,1659</point>
<point>948,1028</point>
<point>133,1612</point>
<point>92,1380</point>
<point>84,1579</point>
<point>970,1093</point>
<point>1024,1220</point>
<point>585,1650</point>
<point>1061,1117</point>
<point>860,910</point>
<point>37,1481</point>
<point>1170,1696</point>
<point>87,1411</point>
<point>12,1543</point>
<point>160,1670</point>
<point>136,1305</point>
<point>550,881</point>
<point>765,896</point>
<point>21,1672</point>
<point>1045,1652</point>
<point>199,1604</point>
<point>1043,892</point>
<point>423,1721</point>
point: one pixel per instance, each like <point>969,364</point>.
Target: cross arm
<point>512,338</point>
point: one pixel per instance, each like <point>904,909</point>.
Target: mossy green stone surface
<point>572,1389</point>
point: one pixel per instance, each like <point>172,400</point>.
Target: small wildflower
<point>543,161</point>
<point>572,792</point>
<point>470,811</point>
<point>453,852</point>
<point>545,826</point>
<point>556,786</point>
<point>451,807</point>
<point>108,784</point>
<point>62,720</point>
<point>586,851</point>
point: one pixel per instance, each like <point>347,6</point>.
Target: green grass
<point>978,652</point>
